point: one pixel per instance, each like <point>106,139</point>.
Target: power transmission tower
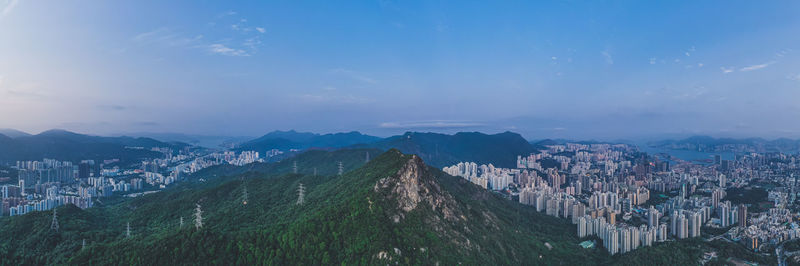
<point>83,245</point>
<point>341,168</point>
<point>315,171</point>
<point>367,160</point>
<point>181,223</point>
<point>301,194</point>
<point>198,217</point>
<point>128,230</point>
<point>294,167</point>
<point>54,224</point>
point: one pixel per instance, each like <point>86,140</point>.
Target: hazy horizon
<point>602,70</point>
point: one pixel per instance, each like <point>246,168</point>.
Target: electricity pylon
<point>301,194</point>
<point>54,224</point>
<point>198,217</point>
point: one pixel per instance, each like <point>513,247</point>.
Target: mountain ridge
<point>285,140</point>
<point>441,150</point>
<point>13,133</point>
<point>65,145</point>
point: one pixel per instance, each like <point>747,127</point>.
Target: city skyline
<point>545,70</point>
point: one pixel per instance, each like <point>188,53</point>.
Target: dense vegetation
<point>746,195</point>
<point>347,219</point>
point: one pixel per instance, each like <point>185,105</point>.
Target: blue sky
<point>603,70</point>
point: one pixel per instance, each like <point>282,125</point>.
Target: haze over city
<point>603,70</point>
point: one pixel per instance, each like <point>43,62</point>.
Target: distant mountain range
<point>13,133</point>
<point>443,150</point>
<point>710,144</point>
<point>548,142</point>
<point>285,140</point>
<point>69,146</point>
<point>437,149</point>
<point>207,141</point>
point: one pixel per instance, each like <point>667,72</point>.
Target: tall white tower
<point>198,217</point>
<point>301,193</point>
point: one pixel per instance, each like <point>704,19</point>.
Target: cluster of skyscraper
<point>485,176</point>
<point>556,181</point>
<point>621,239</point>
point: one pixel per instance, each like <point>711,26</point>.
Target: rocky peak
<point>412,185</point>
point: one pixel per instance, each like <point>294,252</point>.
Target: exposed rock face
<point>412,185</point>
<point>409,188</point>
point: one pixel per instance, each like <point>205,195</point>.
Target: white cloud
<point>9,5</point>
<point>607,55</point>
<point>783,52</point>
<point>261,30</point>
<point>652,60</point>
<point>700,65</point>
<point>430,124</point>
<point>756,67</point>
<point>687,54</point>
<point>252,43</point>
<point>167,37</point>
<point>227,13</point>
<point>727,70</point>
<point>224,50</point>
<point>790,77</point>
